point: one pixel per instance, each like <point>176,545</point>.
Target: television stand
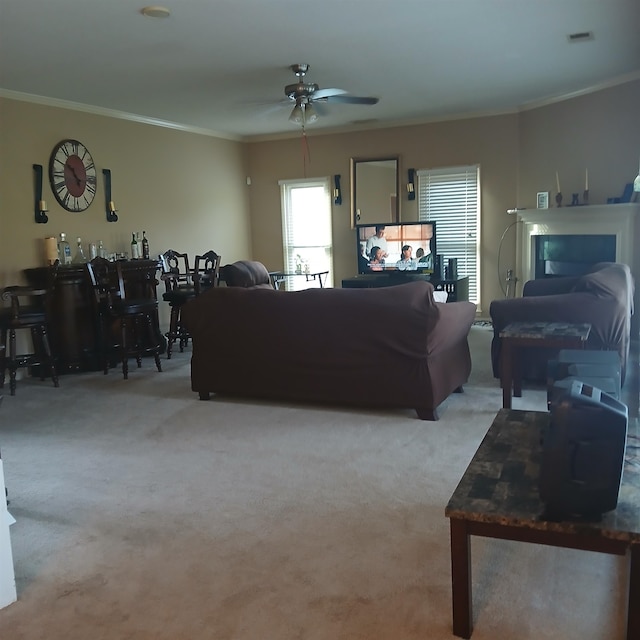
<point>458,289</point>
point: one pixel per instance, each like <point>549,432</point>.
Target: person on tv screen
<point>406,262</point>
<point>376,261</point>
<point>378,240</point>
<point>425,260</point>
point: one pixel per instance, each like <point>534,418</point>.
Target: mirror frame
<point>395,216</point>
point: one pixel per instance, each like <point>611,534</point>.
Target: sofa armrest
<point>548,286</point>
<point>454,322</point>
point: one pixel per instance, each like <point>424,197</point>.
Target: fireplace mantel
<point>605,219</point>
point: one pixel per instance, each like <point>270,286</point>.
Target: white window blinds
<point>451,197</point>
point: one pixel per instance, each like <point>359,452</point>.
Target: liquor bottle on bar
<point>135,249</point>
<point>79,258</point>
<point>64,249</point>
<point>145,246</point>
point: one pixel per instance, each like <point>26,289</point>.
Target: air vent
<point>581,36</point>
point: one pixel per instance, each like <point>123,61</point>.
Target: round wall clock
<point>72,173</point>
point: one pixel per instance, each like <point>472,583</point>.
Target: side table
<point>498,497</point>
<point>522,335</point>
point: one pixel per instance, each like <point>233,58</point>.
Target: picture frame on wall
<point>543,200</point>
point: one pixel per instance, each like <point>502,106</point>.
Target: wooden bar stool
<point>132,316</point>
<point>28,310</point>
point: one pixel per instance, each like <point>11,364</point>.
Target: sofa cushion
<point>245,273</point>
<point>611,280</point>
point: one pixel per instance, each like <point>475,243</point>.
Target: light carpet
<point>143,513</point>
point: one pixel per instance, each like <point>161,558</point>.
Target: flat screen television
<point>379,247</point>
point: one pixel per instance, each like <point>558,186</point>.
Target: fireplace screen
<point>571,255</point>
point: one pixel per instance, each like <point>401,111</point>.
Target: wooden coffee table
<point>538,335</point>
<point>497,497</point>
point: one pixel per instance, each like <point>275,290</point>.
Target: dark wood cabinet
<point>457,289</point>
<point>74,335</point>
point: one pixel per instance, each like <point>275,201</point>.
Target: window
<point>306,229</point>
<point>451,197</point>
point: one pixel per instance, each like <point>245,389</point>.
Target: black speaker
<point>583,451</point>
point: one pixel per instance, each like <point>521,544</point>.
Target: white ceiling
<point>221,65</point>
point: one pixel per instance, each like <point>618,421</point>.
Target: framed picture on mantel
<point>543,200</point>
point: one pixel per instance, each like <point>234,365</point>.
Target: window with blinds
<point>451,198</point>
<point>306,229</point>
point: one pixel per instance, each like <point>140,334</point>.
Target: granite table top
<point>500,484</point>
<point>545,330</point>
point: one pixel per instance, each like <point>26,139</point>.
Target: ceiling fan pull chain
<point>306,154</point>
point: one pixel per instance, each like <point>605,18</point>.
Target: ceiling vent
<point>581,36</point>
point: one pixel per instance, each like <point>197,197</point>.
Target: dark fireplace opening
<point>571,255</point>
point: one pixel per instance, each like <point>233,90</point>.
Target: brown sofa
<point>603,297</point>
<point>384,347</point>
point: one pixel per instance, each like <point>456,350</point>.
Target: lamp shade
<point>297,115</point>
<point>310,114</point>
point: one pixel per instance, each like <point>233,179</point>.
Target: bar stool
<point>206,271</point>
<point>134,317</point>
<point>179,289</point>
<point>28,309</point>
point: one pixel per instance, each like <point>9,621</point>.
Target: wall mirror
<point>375,185</point>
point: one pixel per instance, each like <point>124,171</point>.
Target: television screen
<point>396,246</point>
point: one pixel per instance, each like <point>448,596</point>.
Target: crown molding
<point>352,128</point>
<point>112,113</point>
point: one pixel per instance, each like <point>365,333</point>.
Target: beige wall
<point>518,156</point>
<point>187,191</point>
<point>490,142</point>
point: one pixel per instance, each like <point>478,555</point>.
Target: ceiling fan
<point>307,94</point>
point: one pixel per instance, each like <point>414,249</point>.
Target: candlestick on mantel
<point>586,179</point>
<point>557,182</point>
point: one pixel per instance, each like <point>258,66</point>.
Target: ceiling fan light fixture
<point>310,114</point>
<point>297,114</point>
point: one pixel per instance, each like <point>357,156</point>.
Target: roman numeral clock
<point>72,174</point>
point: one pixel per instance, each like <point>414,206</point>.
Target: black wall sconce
<point>411,184</point>
<point>40,208</point>
<point>109,204</point>
<point>337,191</point>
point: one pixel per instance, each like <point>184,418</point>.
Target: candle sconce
<point>411,184</point>
<point>40,208</point>
<point>110,206</point>
<point>337,191</point>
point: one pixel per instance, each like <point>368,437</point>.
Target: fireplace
<point>571,254</point>
<point>574,238</point>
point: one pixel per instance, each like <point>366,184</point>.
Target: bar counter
<point>74,325</point>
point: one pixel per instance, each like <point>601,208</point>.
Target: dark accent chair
<point>602,297</point>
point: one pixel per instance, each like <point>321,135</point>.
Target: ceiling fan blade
<point>352,99</point>
<point>325,93</point>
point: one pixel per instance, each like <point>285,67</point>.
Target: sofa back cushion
<point>609,280</point>
<point>245,273</point>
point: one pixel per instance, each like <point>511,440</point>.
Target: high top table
<point>498,497</point>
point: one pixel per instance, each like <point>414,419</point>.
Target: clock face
<point>72,173</point>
